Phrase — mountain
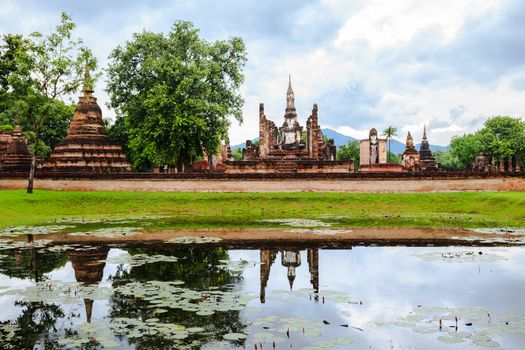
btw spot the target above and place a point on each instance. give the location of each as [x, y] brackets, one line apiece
[340, 139]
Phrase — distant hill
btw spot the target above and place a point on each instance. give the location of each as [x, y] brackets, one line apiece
[340, 139]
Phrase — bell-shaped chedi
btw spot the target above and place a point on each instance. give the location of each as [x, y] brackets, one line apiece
[86, 147]
[14, 152]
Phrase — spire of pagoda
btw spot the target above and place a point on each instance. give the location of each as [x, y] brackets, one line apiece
[424, 132]
[87, 89]
[290, 98]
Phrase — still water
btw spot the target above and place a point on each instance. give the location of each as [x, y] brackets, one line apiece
[208, 296]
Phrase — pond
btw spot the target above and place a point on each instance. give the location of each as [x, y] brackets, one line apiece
[204, 294]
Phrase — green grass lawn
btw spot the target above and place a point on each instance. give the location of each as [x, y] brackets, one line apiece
[194, 210]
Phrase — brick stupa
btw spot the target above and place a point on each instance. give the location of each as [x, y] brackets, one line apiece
[14, 152]
[86, 147]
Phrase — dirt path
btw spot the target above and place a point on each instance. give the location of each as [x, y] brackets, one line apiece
[277, 185]
[355, 236]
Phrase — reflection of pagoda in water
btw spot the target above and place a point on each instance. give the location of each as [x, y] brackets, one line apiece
[89, 269]
[291, 260]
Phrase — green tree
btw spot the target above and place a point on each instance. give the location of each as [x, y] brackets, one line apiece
[465, 148]
[503, 137]
[237, 154]
[447, 160]
[350, 151]
[389, 132]
[118, 134]
[45, 69]
[175, 93]
[394, 158]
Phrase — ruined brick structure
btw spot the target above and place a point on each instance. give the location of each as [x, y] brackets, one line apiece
[14, 152]
[86, 147]
[373, 155]
[410, 157]
[287, 149]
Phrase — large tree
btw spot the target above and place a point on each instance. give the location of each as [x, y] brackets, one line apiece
[175, 93]
[42, 71]
[503, 137]
[500, 138]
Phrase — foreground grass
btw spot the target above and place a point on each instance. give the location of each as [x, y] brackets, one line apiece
[195, 210]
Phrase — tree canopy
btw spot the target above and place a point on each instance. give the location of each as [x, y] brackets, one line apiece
[350, 151]
[175, 93]
[500, 138]
[37, 74]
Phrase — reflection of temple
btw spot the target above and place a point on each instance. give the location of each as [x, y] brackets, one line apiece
[291, 260]
[313, 267]
[89, 269]
[267, 257]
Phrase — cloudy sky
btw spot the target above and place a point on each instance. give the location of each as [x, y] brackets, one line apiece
[448, 64]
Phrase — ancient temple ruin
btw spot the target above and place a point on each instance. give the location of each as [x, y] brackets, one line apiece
[87, 148]
[423, 160]
[373, 155]
[289, 148]
[427, 162]
[410, 157]
[14, 152]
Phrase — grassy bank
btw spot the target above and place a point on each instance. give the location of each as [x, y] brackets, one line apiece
[194, 210]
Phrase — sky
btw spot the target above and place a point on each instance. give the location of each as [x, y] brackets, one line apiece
[446, 64]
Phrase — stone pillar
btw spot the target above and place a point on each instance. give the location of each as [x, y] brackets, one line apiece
[263, 133]
[518, 165]
[501, 166]
[510, 165]
[315, 133]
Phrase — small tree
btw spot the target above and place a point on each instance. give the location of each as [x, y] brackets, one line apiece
[389, 132]
[47, 69]
[350, 151]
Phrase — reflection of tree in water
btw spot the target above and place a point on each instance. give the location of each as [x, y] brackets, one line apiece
[198, 268]
[37, 319]
[31, 263]
[35, 325]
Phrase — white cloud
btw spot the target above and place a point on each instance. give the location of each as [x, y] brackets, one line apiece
[380, 24]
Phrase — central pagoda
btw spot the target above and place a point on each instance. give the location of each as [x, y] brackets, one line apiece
[86, 147]
[290, 132]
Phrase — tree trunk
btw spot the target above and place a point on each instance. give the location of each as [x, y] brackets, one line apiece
[210, 163]
[31, 173]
